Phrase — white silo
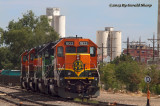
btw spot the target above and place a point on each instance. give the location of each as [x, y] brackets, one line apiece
[55, 23]
[61, 27]
[52, 11]
[58, 21]
[101, 37]
[50, 18]
[109, 28]
[116, 43]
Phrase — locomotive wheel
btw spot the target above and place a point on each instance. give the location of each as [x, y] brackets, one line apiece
[41, 87]
[22, 87]
[52, 89]
[32, 86]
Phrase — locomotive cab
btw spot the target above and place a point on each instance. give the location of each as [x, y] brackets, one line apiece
[77, 74]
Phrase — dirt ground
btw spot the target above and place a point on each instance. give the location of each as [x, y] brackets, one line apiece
[139, 99]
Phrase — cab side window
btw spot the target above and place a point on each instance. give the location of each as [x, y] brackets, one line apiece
[60, 51]
[92, 51]
[24, 58]
[32, 57]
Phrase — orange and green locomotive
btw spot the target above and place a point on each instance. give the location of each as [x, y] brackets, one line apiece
[67, 68]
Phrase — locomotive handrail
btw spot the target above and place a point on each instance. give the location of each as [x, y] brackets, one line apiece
[63, 66]
[59, 65]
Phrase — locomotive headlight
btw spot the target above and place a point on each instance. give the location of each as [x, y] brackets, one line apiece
[61, 79]
[69, 73]
[90, 73]
[96, 79]
[77, 57]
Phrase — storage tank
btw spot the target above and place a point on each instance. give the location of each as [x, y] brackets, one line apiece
[61, 27]
[53, 11]
[101, 37]
[109, 28]
[50, 18]
[116, 43]
[55, 23]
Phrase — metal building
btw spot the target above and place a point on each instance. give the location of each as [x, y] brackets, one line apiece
[56, 20]
[111, 41]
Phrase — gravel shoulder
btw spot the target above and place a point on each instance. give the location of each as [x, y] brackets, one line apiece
[130, 98]
[4, 103]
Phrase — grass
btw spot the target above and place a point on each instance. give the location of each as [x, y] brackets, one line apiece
[85, 100]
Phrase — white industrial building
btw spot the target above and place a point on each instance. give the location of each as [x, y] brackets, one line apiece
[111, 41]
[158, 28]
[56, 20]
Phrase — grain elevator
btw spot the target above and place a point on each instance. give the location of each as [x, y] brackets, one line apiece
[110, 41]
[56, 20]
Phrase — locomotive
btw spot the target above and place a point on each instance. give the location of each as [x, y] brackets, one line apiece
[66, 67]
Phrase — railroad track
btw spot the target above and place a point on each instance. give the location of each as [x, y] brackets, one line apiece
[24, 98]
[14, 99]
[17, 101]
[85, 102]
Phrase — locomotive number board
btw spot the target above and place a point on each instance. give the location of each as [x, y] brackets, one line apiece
[83, 43]
[69, 43]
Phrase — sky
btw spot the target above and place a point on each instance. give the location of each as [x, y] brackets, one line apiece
[85, 17]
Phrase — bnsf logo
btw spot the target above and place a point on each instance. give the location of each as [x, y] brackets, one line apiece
[78, 66]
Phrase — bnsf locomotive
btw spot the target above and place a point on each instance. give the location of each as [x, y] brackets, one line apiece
[67, 68]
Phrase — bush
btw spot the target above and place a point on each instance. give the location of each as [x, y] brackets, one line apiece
[125, 73]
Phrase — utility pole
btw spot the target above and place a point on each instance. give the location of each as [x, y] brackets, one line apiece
[111, 46]
[158, 50]
[128, 43]
[140, 49]
[158, 26]
[127, 46]
[139, 43]
[103, 50]
[153, 40]
[102, 53]
[153, 47]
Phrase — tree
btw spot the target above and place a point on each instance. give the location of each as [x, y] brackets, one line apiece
[108, 76]
[129, 73]
[5, 56]
[122, 58]
[1, 35]
[28, 32]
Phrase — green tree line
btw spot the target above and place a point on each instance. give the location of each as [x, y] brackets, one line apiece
[28, 32]
[123, 73]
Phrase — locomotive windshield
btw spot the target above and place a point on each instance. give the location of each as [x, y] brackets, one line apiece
[71, 49]
[82, 49]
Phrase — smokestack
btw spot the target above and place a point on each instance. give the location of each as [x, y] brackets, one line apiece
[158, 30]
